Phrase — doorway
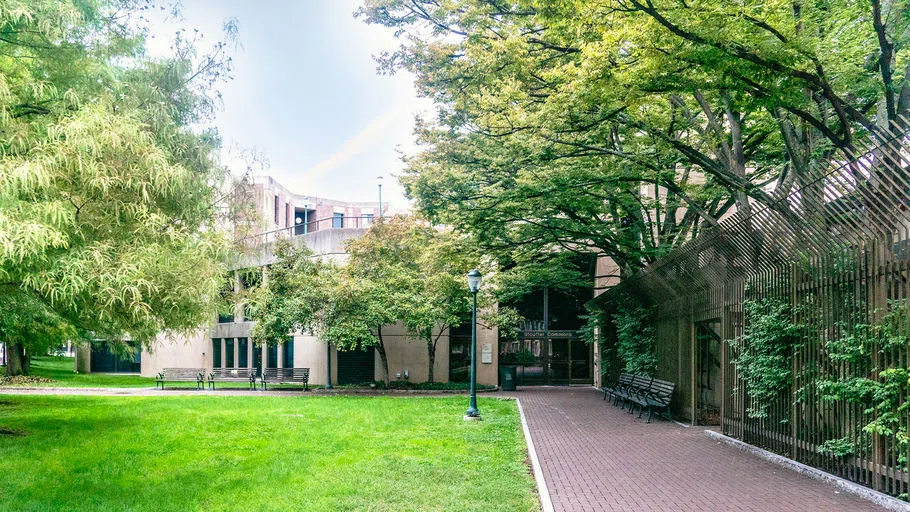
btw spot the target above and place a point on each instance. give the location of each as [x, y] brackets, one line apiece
[562, 358]
[356, 366]
[708, 346]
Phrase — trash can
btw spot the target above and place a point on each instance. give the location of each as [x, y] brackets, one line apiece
[507, 376]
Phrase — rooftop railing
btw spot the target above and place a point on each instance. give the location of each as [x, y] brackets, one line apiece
[358, 222]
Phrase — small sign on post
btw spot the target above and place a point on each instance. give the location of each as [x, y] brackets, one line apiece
[486, 353]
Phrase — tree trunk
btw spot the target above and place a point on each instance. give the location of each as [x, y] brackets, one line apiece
[431, 353]
[382, 355]
[18, 361]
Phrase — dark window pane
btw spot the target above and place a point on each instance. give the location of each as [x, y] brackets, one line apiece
[288, 353]
[216, 353]
[272, 361]
[243, 359]
[229, 352]
[338, 220]
[276, 209]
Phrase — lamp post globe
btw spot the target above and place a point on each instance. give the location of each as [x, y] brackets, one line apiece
[474, 279]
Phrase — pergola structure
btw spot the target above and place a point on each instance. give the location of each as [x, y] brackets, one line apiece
[836, 249]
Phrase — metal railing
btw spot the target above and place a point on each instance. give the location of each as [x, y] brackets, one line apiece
[311, 226]
[837, 250]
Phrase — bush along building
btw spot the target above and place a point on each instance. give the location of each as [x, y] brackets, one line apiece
[323, 226]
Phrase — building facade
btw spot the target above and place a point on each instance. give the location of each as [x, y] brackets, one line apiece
[323, 225]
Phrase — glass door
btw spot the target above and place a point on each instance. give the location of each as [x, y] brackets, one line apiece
[559, 361]
[581, 355]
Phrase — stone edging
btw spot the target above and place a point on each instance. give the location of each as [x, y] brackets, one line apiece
[880, 499]
[542, 491]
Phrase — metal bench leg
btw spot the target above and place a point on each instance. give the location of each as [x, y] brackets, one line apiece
[650, 411]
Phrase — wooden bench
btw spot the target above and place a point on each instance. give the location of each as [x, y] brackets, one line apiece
[196, 375]
[642, 391]
[247, 375]
[281, 375]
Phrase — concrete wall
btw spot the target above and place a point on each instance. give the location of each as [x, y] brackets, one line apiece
[411, 354]
[487, 373]
[404, 353]
[177, 351]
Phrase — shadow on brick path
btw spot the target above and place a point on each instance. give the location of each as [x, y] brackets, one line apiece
[597, 457]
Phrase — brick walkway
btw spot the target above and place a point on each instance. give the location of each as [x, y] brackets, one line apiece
[596, 457]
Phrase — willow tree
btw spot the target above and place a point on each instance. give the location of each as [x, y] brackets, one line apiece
[108, 199]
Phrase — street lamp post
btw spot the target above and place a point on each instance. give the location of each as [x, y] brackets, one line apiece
[379, 179]
[474, 278]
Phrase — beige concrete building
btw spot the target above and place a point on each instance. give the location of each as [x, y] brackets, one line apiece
[323, 225]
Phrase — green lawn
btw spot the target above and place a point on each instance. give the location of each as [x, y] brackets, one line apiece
[60, 369]
[210, 453]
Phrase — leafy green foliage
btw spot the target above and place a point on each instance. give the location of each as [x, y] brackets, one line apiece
[863, 374]
[553, 116]
[763, 355]
[108, 198]
[635, 337]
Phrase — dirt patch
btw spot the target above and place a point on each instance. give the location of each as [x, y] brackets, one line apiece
[9, 432]
[20, 380]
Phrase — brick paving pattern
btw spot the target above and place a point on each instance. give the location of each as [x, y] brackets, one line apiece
[596, 457]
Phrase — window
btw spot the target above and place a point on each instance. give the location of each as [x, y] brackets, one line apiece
[272, 357]
[287, 215]
[243, 356]
[338, 220]
[229, 352]
[276, 209]
[216, 352]
[288, 353]
[367, 219]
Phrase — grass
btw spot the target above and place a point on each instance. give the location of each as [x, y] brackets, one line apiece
[60, 369]
[71, 453]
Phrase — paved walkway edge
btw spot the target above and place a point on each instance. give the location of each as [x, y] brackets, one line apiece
[880, 499]
[542, 492]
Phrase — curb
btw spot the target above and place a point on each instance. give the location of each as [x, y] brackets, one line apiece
[880, 499]
[542, 491]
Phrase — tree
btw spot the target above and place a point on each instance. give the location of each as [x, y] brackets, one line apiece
[108, 198]
[553, 115]
[426, 267]
[401, 271]
[342, 305]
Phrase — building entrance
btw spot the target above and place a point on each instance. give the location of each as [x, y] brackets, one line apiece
[551, 358]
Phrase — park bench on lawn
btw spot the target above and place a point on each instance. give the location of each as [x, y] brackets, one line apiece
[642, 391]
[196, 375]
[247, 375]
[283, 375]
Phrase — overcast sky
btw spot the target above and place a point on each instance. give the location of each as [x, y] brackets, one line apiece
[306, 94]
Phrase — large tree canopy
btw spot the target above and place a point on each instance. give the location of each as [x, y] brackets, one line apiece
[553, 115]
[108, 198]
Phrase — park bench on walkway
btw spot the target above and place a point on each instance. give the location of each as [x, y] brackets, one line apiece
[642, 391]
[625, 379]
[247, 375]
[283, 375]
[196, 375]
